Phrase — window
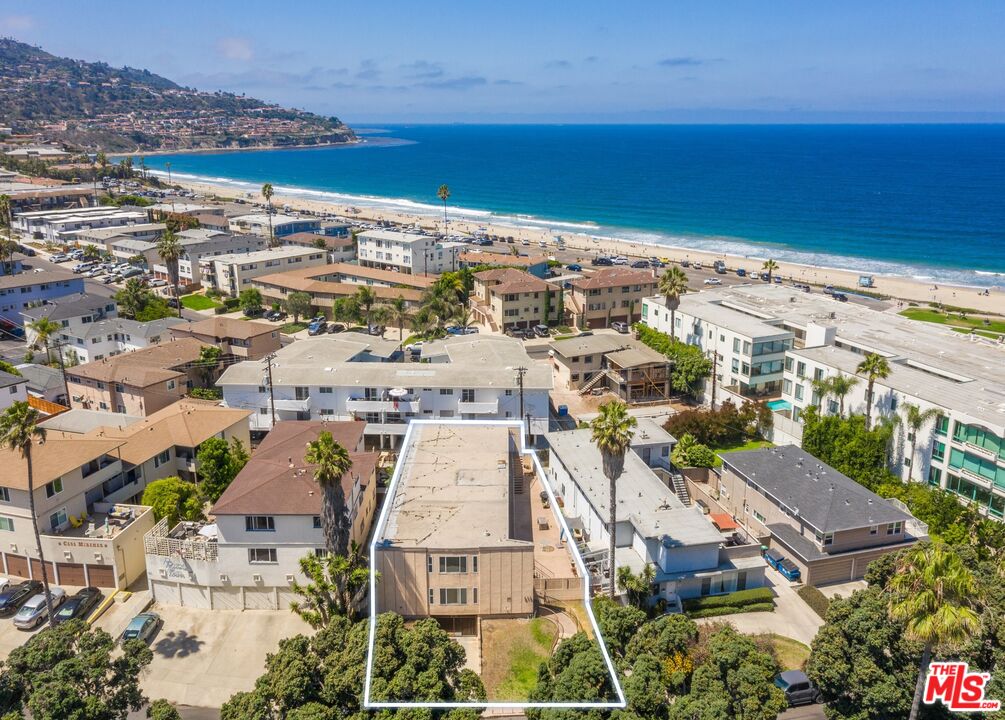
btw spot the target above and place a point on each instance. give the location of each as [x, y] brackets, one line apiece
[474, 567]
[446, 391]
[934, 476]
[325, 390]
[162, 458]
[874, 529]
[54, 488]
[431, 594]
[4, 494]
[799, 392]
[786, 387]
[316, 522]
[757, 516]
[453, 596]
[259, 523]
[7, 524]
[942, 425]
[828, 539]
[171, 384]
[57, 519]
[895, 528]
[467, 395]
[458, 564]
[260, 556]
[474, 595]
[509, 393]
[261, 389]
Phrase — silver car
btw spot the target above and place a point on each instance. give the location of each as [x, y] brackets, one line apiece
[33, 613]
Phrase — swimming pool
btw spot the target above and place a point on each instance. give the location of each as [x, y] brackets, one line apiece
[779, 405]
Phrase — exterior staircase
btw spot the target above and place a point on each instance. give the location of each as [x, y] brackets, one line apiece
[595, 380]
[679, 485]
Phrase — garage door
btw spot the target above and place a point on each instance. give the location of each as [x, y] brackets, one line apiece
[165, 593]
[195, 596]
[286, 596]
[227, 598]
[36, 570]
[71, 574]
[101, 575]
[259, 598]
[825, 572]
[17, 565]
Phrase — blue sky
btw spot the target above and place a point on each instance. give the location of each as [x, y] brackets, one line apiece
[558, 61]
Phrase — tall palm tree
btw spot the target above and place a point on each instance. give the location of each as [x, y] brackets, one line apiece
[267, 193]
[673, 285]
[443, 193]
[612, 430]
[874, 367]
[7, 221]
[133, 297]
[462, 316]
[399, 314]
[19, 430]
[934, 593]
[365, 298]
[44, 329]
[823, 387]
[840, 386]
[916, 419]
[331, 461]
[170, 250]
[770, 266]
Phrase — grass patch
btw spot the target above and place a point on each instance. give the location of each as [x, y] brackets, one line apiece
[512, 652]
[982, 333]
[955, 320]
[790, 654]
[292, 327]
[736, 447]
[817, 601]
[198, 302]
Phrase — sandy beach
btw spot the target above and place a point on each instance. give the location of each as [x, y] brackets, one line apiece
[901, 288]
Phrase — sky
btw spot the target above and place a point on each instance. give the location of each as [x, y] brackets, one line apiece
[385, 61]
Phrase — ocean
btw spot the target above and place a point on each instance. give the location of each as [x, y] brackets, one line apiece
[926, 201]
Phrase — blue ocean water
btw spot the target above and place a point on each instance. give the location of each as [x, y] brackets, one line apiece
[921, 200]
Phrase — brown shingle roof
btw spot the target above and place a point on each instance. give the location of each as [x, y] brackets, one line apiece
[303, 280]
[142, 368]
[223, 327]
[509, 280]
[61, 453]
[614, 277]
[330, 240]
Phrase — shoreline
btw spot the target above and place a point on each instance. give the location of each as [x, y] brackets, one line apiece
[898, 287]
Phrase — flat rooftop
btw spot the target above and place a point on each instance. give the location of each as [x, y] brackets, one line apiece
[453, 488]
[280, 251]
[393, 236]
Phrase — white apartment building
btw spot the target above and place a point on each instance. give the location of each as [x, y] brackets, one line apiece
[409, 253]
[107, 338]
[352, 376]
[71, 312]
[102, 237]
[199, 244]
[282, 225]
[961, 377]
[234, 272]
[62, 226]
[13, 388]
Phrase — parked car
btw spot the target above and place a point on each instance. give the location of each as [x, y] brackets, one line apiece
[143, 627]
[641, 264]
[317, 327]
[60, 258]
[542, 330]
[829, 290]
[719, 266]
[375, 330]
[840, 296]
[798, 689]
[685, 263]
[740, 272]
[782, 564]
[517, 333]
[275, 315]
[132, 271]
[697, 266]
[79, 605]
[601, 261]
[335, 328]
[621, 327]
[13, 597]
[158, 282]
[713, 281]
[619, 261]
[656, 262]
[33, 613]
[575, 267]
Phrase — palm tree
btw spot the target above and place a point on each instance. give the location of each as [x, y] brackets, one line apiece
[19, 430]
[170, 250]
[770, 266]
[840, 386]
[933, 593]
[874, 367]
[91, 253]
[44, 328]
[133, 297]
[103, 162]
[7, 221]
[673, 285]
[612, 433]
[267, 193]
[365, 299]
[331, 462]
[916, 418]
[443, 193]
[823, 387]
[399, 314]
[462, 316]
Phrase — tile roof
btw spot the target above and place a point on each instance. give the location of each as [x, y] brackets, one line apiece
[304, 279]
[223, 327]
[142, 368]
[615, 277]
[60, 454]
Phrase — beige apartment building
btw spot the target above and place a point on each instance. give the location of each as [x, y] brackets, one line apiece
[323, 291]
[457, 544]
[506, 298]
[618, 363]
[236, 338]
[609, 295]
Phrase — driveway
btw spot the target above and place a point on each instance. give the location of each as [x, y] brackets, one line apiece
[202, 657]
[792, 616]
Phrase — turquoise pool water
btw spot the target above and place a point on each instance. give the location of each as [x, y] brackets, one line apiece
[777, 405]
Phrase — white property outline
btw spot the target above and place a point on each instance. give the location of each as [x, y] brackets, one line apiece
[620, 703]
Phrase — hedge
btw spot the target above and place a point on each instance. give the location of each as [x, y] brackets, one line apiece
[731, 610]
[815, 599]
[736, 599]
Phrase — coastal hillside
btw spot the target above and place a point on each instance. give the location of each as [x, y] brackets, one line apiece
[92, 105]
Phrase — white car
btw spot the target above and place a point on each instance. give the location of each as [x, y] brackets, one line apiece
[713, 281]
[33, 613]
[157, 282]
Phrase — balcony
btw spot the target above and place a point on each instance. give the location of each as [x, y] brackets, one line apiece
[184, 540]
[975, 478]
[408, 403]
[978, 450]
[479, 408]
[294, 405]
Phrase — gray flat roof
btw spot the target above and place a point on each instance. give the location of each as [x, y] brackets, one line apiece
[131, 327]
[393, 236]
[68, 306]
[7, 379]
[811, 490]
[590, 345]
[650, 432]
[41, 377]
[83, 421]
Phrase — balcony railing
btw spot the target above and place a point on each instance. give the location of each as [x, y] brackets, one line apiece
[478, 408]
[183, 540]
[292, 404]
[975, 478]
[978, 450]
[406, 404]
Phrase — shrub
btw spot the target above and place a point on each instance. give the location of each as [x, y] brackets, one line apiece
[815, 599]
[731, 610]
[740, 598]
[232, 303]
[206, 393]
[221, 309]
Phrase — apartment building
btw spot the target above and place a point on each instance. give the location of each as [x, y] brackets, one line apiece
[44, 383]
[265, 522]
[13, 388]
[71, 312]
[536, 265]
[353, 274]
[617, 363]
[457, 542]
[30, 197]
[235, 272]
[692, 558]
[407, 253]
[200, 244]
[282, 225]
[352, 376]
[103, 237]
[609, 295]
[238, 339]
[212, 220]
[27, 289]
[826, 523]
[324, 292]
[108, 338]
[931, 367]
[341, 248]
[62, 226]
[141, 382]
[505, 299]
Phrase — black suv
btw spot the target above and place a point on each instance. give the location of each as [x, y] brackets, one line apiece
[17, 595]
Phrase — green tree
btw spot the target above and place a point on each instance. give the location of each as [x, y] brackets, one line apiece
[365, 299]
[250, 301]
[443, 193]
[916, 419]
[298, 304]
[19, 431]
[399, 315]
[170, 251]
[673, 286]
[133, 297]
[331, 462]
[666, 636]
[848, 445]
[840, 386]
[874, 367]
[219, 463]
[934, 594]
[769, 266]
[688, 452]
[174, 499]
[9, 369]
[44, 329]
[91, 253]
[690, 366]
[71, 671]
[576, 672]
[7, 221]
[333, 583]
[209, 363]
[162, 710]
[612, 430]
[267, 193]
[637, 587]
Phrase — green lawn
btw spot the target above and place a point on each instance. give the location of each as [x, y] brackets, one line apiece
[198, 302]
[292, 327]
[954, 320]
[512, 651]
[748, 445]
[791, 654]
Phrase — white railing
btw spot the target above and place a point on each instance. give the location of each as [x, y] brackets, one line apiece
[292, 404]
[479, 408]
[975, 478]
[390, 405]
[159, 542]
[982, 451]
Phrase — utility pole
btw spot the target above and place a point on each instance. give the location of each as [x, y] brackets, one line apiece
[520, 372]
[272, 395]
[62, 368]
[715, 367]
